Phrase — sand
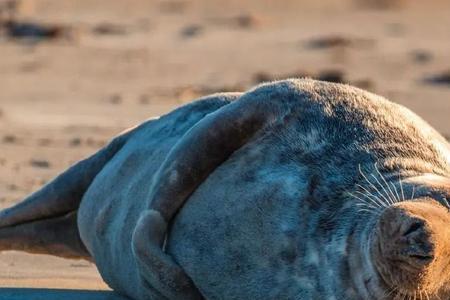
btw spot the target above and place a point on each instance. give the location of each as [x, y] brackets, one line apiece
[115, 63]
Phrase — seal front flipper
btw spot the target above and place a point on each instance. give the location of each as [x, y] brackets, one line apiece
[201, 150]
[161, 277]
[208, 144]
[45, 222]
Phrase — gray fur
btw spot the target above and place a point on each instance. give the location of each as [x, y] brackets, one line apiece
[264, 214]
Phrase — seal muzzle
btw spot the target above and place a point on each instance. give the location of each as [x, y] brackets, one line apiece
[411, 246]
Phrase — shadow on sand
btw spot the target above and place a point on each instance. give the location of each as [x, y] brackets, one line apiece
[56, 294]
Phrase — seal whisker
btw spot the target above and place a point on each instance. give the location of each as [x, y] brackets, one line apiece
[366, 205]
[391, 290]
[372, 198]
[369, 194]
[437, 296]
[363, 206]
[413, 192]
[401, 187]
[388, 197]
[365, 210]
[373, 186]
[401, 294]
[363, 203]
[397, 199]
[385, 182]
[366, 193]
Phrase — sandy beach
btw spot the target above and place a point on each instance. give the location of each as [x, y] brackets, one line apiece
[113, 64]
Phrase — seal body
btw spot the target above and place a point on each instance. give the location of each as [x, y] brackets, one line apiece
[269, 194]
[274, 220]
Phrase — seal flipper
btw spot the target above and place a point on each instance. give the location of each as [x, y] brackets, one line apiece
[208, 144]
[55, 236]
[39, 223]
[162, 277]
[202, 149]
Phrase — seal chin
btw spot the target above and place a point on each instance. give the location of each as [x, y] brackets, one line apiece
[411, 247]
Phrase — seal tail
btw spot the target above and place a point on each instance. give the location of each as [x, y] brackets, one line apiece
[45, 222]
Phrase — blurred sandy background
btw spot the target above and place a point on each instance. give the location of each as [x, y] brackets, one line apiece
[91, 68]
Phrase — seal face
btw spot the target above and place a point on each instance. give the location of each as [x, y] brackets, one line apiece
[297, 189]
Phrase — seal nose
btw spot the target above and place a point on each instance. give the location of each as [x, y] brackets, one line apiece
[408, 237]
[410, 247]
[416, 241]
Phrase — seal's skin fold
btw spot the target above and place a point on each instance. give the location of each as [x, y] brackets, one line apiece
[267, 214]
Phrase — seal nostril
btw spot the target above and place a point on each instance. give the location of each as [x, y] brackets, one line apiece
[414, 227]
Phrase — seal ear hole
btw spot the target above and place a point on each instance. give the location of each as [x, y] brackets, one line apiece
[414, 227]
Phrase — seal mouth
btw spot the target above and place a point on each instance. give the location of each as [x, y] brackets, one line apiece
[422, 257]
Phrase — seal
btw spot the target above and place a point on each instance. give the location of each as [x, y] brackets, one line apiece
[296, 189]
